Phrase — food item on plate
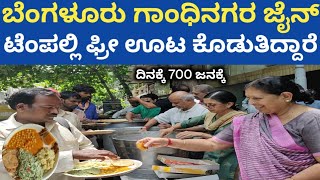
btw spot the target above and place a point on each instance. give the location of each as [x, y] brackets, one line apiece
[10, 160]
[29, 167]
[122, 162]
[85, 172]
[92, 163]
[140, 146]
[46, 157]
[114, 169]
[28, 139]
[30, 153]
[91, 167]
[48, 139]
[98, 167]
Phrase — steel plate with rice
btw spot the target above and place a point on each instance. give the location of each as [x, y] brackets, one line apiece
[30, 152]
[107, 168]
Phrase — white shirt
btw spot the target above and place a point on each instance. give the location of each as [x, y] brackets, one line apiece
[67, 141]
[71, 117]
[81, 115]
[175, 115]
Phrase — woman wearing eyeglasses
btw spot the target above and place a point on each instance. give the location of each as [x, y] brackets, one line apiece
[222, 109]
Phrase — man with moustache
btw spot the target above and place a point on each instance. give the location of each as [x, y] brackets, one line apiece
[40, 106]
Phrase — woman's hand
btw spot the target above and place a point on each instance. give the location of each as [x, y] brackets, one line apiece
[153, 142]
[165, 132]
[186, 135]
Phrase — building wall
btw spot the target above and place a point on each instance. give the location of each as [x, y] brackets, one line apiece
[239, 75]
[233, 70]
[156, 88]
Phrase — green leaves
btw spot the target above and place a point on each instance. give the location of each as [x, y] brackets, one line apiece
[64, 77]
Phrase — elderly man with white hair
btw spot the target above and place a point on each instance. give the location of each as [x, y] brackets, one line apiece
[184, 108]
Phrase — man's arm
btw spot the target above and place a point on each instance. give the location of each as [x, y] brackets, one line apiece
[161, 118]
[129, 116]
[93, 154]
[164, 132]
[84, 142]
[145, 104]
[149, 124]
[86, 149]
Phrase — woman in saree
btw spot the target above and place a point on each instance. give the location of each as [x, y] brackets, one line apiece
[280, 141]
[222, 109]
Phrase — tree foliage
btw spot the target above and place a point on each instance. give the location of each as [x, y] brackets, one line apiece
[108, 84]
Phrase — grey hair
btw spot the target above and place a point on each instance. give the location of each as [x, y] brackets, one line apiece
[188, 97]
[204, 88]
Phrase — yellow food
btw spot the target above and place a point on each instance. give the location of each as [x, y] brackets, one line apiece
[122, 162]
[10, 160]
[140, 146]
[97, 167]
[28, 139]
[48, 139]
[46, 157]
[92, 164]
[112, 170]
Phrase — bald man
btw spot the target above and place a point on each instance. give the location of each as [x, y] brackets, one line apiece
[184, 108]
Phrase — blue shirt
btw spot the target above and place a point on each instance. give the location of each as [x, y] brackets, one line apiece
[91, 112]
